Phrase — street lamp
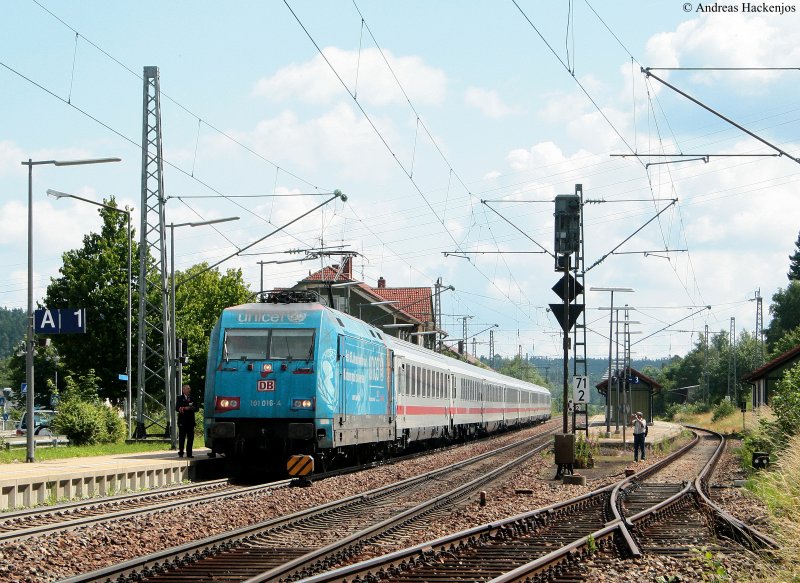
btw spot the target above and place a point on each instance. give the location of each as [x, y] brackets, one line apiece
[610, 336]
[173, 340]
[29, 456]
[129, 344]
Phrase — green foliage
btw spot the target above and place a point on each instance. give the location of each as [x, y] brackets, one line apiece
[677, 410]
[786, 402]
[82, 417]
[46, 364]
[520, 369]
[713, 570]
[95, 277]
[701, 364]
[772, 435]
[80, 422]
[89, 423]
[723, 409]
[785, 343]
[73, 451]
[591, 544]
[12, 329]
[585, 452]
[794, 261]
[785, 310]
[200, 296]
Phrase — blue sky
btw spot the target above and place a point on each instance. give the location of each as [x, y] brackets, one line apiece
[485, 109]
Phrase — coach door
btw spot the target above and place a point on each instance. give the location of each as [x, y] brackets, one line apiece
[451, 398]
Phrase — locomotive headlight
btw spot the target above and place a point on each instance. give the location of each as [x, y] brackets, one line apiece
[302, 404]
[226, 404]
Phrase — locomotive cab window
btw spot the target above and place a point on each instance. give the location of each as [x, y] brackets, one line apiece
[246, 344]
[292, 344]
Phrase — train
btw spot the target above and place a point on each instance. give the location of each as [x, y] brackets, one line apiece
[291, 376]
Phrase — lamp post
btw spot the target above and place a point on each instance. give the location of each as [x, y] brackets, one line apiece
[610, 336]
[173, 335]
[129, 344]
[29, 456]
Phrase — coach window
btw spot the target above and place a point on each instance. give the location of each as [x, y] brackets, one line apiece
[249, 344]
[292, 344]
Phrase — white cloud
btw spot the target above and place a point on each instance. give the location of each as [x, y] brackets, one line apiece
[488, 102]
[733, 40]
[340, 143]
[10, 157]
[366, 75]
[492, 175]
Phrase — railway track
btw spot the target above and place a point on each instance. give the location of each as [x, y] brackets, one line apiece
[650, 512]
[30, 522]
[293, 546]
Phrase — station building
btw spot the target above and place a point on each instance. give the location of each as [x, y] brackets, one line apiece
[767, 376]
[403, 312]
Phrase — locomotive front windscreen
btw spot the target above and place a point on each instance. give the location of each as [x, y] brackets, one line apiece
[292, 344]
[262, 344]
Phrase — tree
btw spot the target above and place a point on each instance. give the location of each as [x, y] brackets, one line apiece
[785, 343]
[200, 296]
[46, 367]
[519, 368]
[13, 323]
[95, 277]
[785, 310]
[794, 262]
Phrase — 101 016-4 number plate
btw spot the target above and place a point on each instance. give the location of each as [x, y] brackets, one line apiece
[265, 385]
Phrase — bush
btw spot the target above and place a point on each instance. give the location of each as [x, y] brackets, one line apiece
[88, 423]
[676, 411]
[115, 428]
[724, 409]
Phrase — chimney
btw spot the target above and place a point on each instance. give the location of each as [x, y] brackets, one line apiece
[381, 282]
[347, 268]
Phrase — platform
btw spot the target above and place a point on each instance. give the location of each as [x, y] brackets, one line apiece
[29, 484]
[657, 432]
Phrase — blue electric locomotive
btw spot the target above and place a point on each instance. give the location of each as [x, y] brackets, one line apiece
[301, 378]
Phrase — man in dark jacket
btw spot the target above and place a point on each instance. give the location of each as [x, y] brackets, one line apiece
[186, 406]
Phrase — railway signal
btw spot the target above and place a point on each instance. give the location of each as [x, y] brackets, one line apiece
[567, 239]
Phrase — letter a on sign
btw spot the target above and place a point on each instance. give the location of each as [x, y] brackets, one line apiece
[48, 322]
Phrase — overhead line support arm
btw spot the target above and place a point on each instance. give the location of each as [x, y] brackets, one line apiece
[649, 73]
[629, 237]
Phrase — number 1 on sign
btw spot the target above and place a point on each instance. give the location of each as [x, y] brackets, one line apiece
[580, 389]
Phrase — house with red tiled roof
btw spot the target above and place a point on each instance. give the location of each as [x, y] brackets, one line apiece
[767, 376]
[404, 312]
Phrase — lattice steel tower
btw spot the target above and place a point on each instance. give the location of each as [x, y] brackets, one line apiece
[155, 401]
[732, 382]
[759, 329]
[579, 360]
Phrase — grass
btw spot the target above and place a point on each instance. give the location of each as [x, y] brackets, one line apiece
[730, 425]
[779, 488]
[10, 456]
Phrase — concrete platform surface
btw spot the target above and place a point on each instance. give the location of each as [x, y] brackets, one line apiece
[28, 484]
[657, 431]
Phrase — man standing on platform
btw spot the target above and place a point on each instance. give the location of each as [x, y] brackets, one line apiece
[186, 407]
[639, 433]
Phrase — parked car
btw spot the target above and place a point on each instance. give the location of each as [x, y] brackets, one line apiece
[42, 422]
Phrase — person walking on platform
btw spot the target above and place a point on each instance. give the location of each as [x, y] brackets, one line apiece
[639, 433]
[186, 406]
